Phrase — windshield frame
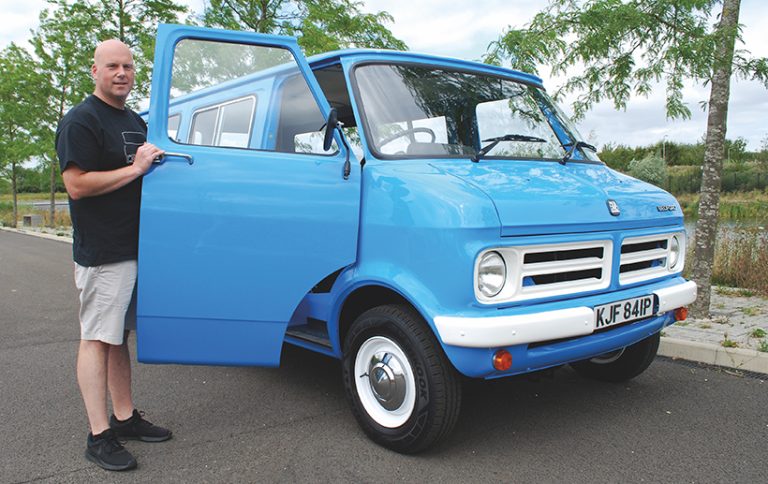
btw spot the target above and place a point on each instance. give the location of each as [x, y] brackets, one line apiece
[559, 132]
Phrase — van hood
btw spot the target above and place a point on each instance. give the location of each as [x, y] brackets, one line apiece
[544, 197]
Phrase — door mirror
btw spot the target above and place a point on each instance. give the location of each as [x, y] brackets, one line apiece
[330, 126]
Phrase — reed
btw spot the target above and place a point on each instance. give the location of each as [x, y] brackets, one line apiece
[61, 218]
[734, 207]
[741, 259]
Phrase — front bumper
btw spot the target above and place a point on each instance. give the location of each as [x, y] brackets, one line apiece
[510, 330]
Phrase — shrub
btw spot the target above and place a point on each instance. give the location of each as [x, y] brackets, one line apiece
[652, 169]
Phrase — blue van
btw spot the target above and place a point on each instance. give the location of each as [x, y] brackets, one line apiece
[422, 219]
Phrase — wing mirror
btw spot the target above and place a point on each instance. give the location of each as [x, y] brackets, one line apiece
[330, 126]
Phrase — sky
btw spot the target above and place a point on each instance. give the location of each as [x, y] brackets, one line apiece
[457, 28]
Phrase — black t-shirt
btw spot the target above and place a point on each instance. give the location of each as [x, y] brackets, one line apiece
[98, 137]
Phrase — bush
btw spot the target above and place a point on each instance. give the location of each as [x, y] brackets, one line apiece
[683, 179]
[652, 169]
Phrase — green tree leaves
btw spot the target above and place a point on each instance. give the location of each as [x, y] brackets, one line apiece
[319, 25]
[23, 102]
[616, 49]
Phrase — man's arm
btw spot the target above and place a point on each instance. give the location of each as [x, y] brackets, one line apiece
[82, 184]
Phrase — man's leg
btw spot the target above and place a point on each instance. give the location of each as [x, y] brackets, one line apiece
[102, 308]
[119, 379]
[92, 371]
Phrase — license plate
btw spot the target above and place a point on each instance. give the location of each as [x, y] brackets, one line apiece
[623, 311]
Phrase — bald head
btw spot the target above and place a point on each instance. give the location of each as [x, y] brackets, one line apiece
[109, 48]
[113, 72]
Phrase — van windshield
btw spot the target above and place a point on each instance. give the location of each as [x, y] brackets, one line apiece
[415, 110]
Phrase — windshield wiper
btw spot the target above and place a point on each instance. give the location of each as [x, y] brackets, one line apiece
[507, 137]
[574, 147]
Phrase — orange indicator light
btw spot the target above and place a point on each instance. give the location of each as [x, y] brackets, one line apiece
[681, 314]
[502, 360]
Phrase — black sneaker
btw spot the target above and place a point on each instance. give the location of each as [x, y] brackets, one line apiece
[107, 452]
[136, 428]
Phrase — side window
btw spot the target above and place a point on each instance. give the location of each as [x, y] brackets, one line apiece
[235, 123]
[245, 96]
[173, 126]
[227, 124]
[203, 127]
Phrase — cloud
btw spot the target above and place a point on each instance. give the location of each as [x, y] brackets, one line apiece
[18, 19]
[457, 28]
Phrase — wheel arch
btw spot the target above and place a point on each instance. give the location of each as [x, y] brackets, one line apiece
[367, 297]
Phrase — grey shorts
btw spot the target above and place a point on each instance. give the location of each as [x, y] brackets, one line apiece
[107, 300]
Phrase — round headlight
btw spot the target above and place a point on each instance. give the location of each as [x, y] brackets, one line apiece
[491, 274]
[674, 252]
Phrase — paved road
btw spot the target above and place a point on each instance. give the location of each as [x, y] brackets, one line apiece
[674, 423]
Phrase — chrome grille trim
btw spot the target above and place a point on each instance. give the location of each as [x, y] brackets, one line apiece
[648, 257]
[533, 280]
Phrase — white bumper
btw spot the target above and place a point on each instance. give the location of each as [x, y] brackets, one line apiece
[498, 331]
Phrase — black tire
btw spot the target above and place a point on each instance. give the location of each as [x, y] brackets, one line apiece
[430, 411]
[621, 365]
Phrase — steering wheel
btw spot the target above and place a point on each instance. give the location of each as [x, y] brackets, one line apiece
[406, 132]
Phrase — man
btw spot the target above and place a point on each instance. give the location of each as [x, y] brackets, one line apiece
[103, 154]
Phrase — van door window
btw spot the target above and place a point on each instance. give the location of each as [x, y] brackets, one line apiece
[245, 96]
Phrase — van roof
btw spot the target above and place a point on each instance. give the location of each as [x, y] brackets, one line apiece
[385, 55]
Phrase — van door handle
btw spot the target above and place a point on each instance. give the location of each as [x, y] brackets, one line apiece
[161, 158]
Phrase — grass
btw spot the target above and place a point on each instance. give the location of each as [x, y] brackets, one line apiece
[763, 346]
[757, 333]
[726, 343]
[28, 197]
[733, 292]
[6, 209]
[741, 260]
[750, 311]
[734, 207]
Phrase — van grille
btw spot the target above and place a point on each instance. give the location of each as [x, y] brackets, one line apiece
[554, 270]
[644, 258]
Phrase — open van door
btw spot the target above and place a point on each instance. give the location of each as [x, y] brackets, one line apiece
[246, 212]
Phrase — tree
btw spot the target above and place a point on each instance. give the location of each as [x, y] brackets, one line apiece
[320, 25]
[134, 22]
[22, 102]
[736, 150]
[623, 48]
[64, 43]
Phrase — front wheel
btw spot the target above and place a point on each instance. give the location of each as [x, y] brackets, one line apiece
[620, 365]
[403, 391]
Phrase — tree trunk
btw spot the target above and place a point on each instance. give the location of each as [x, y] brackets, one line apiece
[14, 223]
[52, 208]
[709, 201]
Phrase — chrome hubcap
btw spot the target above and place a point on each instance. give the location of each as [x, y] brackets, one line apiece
[385, 381]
